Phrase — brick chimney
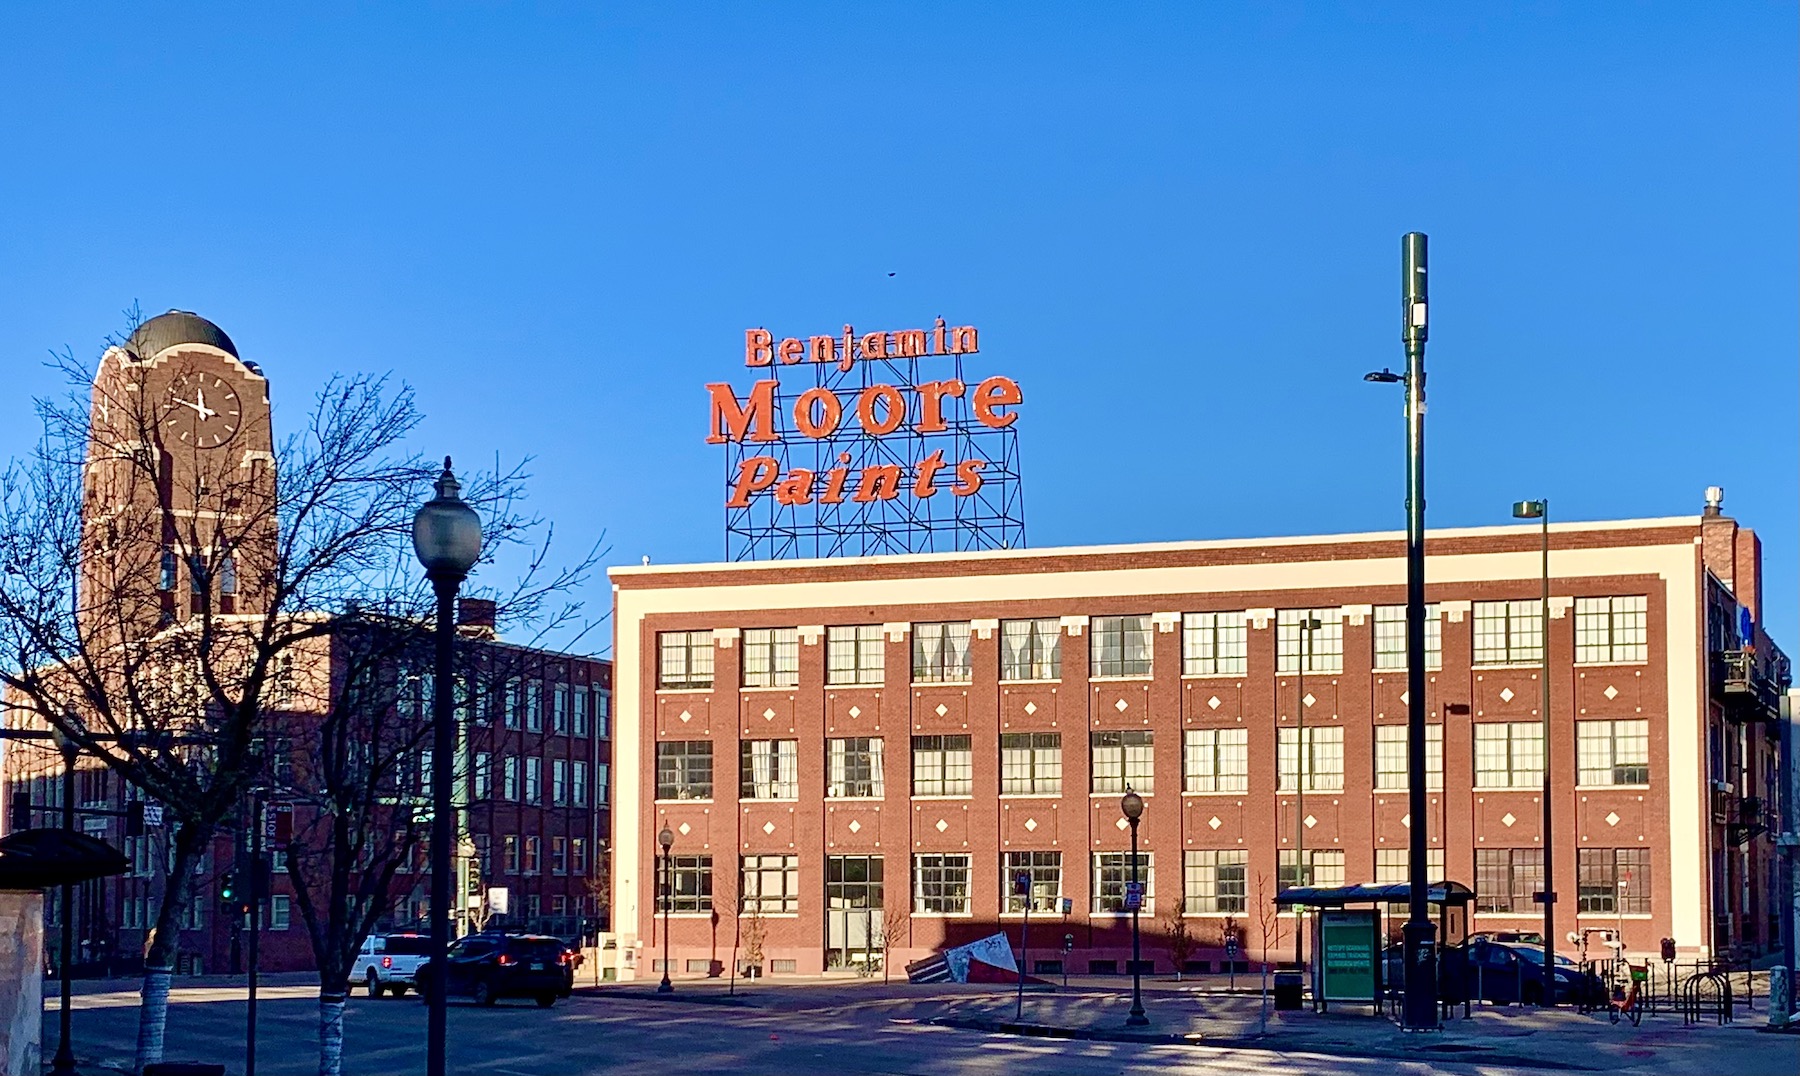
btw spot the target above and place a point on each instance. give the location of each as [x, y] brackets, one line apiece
[1731, 552]
[475, 618]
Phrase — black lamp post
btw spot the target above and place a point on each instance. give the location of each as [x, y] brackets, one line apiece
[64, 1064]
[447, 539]
[1302, 770]
[667, 839]
[1540, 510]
[1133, 806]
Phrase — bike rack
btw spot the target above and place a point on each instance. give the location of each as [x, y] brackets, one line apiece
[1706, 994]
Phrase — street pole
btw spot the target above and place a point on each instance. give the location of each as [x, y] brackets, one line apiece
[1301, 769]
[1024, 945]
[64, 1064]
[667, 839]
[1419, 1012]
[1133, 806]
[1540, 510]
[258, 891]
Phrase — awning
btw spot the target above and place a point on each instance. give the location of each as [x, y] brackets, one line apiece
[1453, 894]
[42, 858]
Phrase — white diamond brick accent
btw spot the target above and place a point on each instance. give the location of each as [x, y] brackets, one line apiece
[942, 709]
[686, 717]
[1120, 705]
[855, 711]
[1612, 818]
[1031, 825]
[769, 714]
[684, 829]
[1308, 698]
[1030, 708]
[1310, 821]
[1508, 819]
[854, 826]
[1611, 693]
[1214, 822]
[1506, 694]
[1405, 697]
[1123, 825]
[1212, 703]
[768, 828]
[941, 825]
[1406, 820]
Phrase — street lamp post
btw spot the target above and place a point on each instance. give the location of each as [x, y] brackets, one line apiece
[1540, 510]
[1308, 625]
[64, 1064]
[667, 839]
[1419, 1010]
[447, 539]
[1133, 806]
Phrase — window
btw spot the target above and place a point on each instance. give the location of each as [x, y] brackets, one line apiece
[559, 709]
[769, 770]
[280, 912]
[1031, 649]
[941, 652]
[770, 883]
[559, 855]
[1391, 866]
[1044, 871]
[534, 706]
[482, 775]
[771, 657]
[531, 864]
[1031, 763]
[1612, 881]
[578, 783]
[509, 852]
[1323, 646]
[855, 767]
[1214, 881]
[852, 882]
[1507, 878]
[941, 884]
[1611, 629]
[1212, 644]
[1215, 760]
[534, 780]
[942, 766]
[1390, 758]
[228, 587]
[578, 855]
[684, 770]
[509, 704]
[1509, 633]
[509, 777]
[853, 654]
[602, 783]
[602, 712]
[1390, 637]
[1613, 752]
[1324, 867]
[559, 782]
[165, 578]
[1121, 645]
[580, 717]
[1111, 871]
[689, 885]
[1124, 759]
[1324, 758]
[1509, 754]
[684, 659]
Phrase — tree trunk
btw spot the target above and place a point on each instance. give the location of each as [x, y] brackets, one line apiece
[159, 962]
[331, 1033]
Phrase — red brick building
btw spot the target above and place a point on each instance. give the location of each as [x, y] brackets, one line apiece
[535, 724]
[845, 747]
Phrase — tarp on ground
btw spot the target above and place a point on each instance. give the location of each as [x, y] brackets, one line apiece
[978, 961]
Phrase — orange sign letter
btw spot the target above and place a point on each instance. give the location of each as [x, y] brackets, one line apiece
[754, 474]
[757, 351]
[732, 423]
[997, 392]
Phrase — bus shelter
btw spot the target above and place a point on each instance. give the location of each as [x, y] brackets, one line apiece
[1353, 926]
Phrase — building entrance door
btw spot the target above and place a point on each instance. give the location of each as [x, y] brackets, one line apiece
[853, 912]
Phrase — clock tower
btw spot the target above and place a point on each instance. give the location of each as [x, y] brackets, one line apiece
[179, 509]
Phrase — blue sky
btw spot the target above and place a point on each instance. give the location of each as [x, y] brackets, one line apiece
[1177, 226]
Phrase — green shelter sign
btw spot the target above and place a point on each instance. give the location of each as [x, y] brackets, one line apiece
[1349, 947]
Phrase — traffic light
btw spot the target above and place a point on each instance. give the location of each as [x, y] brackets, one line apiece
[228, 894]
[134, 818]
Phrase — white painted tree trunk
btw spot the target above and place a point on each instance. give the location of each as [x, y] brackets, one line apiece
[153, 1013]
[331, 1034]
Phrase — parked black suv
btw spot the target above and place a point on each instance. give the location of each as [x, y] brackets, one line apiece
[487, 967]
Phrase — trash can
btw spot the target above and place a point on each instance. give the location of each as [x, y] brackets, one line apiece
[1288, 989]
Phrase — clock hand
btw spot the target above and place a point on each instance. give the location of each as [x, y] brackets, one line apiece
[204, 411]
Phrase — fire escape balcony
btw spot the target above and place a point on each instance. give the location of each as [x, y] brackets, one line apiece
[1749, 685]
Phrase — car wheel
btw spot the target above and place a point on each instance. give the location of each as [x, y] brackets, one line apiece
[375, 990]
[398, 990]
[1533, 995]
[546, 1000]
[484, 994]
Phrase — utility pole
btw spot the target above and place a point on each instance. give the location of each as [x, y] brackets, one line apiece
[1419, 1012]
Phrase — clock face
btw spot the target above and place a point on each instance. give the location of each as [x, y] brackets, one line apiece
[203, 411]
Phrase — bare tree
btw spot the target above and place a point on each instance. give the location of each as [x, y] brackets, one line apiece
[1268, 930]
[1178, 937]
[178, 689]
[894, 921]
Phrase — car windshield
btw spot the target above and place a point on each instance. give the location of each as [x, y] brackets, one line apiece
[1536, 956]
[407, 945]
[535, 948]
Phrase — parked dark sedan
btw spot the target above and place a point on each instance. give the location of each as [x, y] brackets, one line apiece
[489, 967]
[1505, 973]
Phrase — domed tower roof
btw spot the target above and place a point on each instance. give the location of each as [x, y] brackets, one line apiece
[177, 327]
